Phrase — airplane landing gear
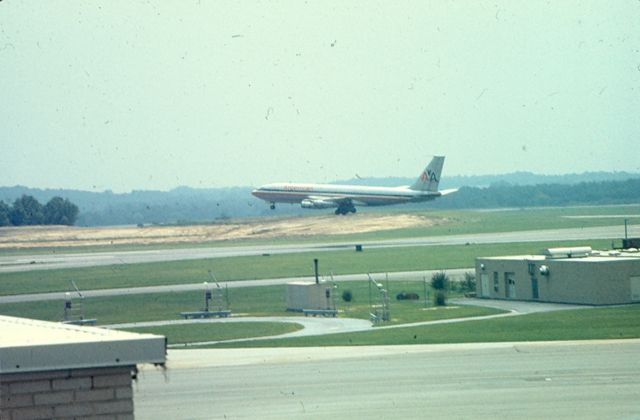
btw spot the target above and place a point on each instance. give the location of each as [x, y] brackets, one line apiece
[345, 208]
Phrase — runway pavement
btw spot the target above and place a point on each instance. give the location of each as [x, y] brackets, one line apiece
[15, 263]
[586, 380]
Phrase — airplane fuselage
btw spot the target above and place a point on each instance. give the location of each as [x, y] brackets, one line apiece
[359, 195]
[345, 197]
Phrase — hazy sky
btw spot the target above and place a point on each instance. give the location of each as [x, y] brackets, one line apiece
[126, 95]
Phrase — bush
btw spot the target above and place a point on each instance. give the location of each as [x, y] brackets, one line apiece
[439, 281]
[440, 298]
[469, 282]
[347, 296]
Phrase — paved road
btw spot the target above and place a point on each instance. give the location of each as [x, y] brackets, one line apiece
[67, 260]
[586, 380]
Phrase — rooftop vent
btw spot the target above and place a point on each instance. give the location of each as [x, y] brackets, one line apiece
[570, 252]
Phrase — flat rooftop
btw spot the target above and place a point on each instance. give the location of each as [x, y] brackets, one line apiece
[579, 254]
[28, 345]
[590, 258]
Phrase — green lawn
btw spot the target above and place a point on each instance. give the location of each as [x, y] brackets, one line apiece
[188, 333]
[580, 324]
[457, 222]
[265, 267]
[253, 301]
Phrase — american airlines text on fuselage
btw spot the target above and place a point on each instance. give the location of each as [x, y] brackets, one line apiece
[297, 188]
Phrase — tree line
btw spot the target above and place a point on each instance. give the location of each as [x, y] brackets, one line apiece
[203, 205]
[505, 195]
[26, 210]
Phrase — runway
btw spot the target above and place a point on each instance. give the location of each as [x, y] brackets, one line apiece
[15, 263]
[587, 380]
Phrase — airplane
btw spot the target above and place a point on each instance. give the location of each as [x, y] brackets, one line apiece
[345, 197]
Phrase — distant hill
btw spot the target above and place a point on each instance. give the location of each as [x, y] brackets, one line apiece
[188, 205]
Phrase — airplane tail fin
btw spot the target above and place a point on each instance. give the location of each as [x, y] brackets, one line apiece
[430, 177]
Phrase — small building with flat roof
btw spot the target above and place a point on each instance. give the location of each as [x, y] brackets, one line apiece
[53, 370]
[577, 275]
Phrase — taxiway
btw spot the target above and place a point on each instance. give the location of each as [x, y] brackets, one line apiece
[587, 380]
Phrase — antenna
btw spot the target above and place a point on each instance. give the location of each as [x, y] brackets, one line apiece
[213, 277]
[380, 310]
[73, 283]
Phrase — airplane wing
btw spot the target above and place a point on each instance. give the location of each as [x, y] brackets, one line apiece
[449, 191]
[325, 202]
[334, 198]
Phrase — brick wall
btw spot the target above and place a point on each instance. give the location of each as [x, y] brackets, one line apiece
[103, 393]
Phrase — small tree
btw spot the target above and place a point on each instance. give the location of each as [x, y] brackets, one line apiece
[440, 283]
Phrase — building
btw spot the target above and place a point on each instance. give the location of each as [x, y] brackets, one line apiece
[50, 370]
[563, 275]
[310, 297]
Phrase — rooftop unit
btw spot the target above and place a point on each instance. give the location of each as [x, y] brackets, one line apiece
[569, 252]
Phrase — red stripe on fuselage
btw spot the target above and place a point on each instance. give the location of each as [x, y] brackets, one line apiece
[296, 197]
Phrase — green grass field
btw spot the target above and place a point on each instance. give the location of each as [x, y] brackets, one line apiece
[579, 324]
[181, 334]
[261, 267]
[256, 301]
[253, 301]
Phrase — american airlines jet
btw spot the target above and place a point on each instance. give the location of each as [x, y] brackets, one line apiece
[345, 197]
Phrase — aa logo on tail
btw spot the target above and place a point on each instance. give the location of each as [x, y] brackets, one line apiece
[429, 175]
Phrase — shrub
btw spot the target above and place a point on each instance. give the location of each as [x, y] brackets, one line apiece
[347, 296]
[439, 281]
[469, 282]
[440, 299]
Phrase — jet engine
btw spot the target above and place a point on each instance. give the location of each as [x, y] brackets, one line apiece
[317, 204]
